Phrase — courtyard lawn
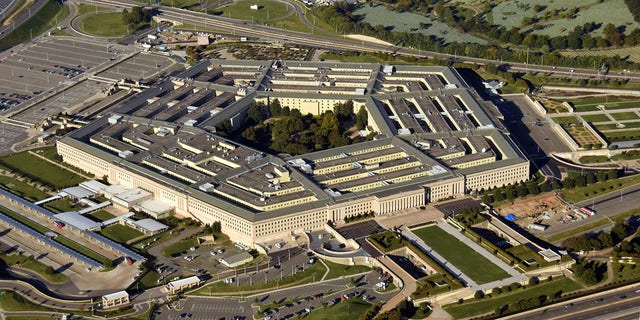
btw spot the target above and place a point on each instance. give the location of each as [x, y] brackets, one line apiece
[547, 289]
[596, 118]
[349, 309]
[120, 233]
[468, 261]
[565, 120]
[40, 170]
[61, 205]
[101, 215]
[22, 189]
[625, 116]
[622, 135]
[386, 241]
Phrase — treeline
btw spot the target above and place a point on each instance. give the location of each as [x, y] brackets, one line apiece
[599, 240]
[542, 47]
[524, 188]
[591, 272]
[634, 8]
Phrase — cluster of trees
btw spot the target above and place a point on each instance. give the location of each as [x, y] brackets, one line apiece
[470, 216]
[599, 240]
[359, 216]
[138, 16]
[511, 192]
[634, 8]
[289, 131]
[591, 272]
[628, 248]
[215, 227]
[541, 47]
[404, 310]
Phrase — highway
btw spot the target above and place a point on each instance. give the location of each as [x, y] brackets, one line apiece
[623, 303]
[239, 27]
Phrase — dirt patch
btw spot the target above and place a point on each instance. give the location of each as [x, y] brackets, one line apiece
[528, 209]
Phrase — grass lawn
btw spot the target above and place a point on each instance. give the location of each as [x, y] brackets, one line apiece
[267, 11]
[105, 24]
[311, 274]
[488, 305]
[625, 116]
[13, 302]
[120, 233]
[386, 241]
[337, 270]
[468, 261]
[86, 8]
[583, 193]
[34, 265]
[51, 153]
[349, 309]
[149, 280]
[593, 159]
[622, 135]
[101, 215]
[61, 205]
[22, 189]
[40, 22]
[595, 118]
[565, 120]
[24, 220]
[41, 170]
[184, 4]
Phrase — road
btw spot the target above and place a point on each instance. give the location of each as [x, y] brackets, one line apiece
[616, 303]
[317, 41]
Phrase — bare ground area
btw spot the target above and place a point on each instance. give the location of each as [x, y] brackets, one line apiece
[527, 209]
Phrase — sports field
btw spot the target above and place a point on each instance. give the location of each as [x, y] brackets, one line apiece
[468, 261]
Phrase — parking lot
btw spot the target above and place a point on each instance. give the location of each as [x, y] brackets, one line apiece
[46, 64]
[139, 66]
[8, 136]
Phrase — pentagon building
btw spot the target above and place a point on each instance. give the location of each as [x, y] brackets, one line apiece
[436, 138]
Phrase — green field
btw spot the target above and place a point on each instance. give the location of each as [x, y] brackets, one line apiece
[120, 233]
[105, 24]
[596, 118]
[41, 170]
[61, 205]
[349, 309]
[339, 270]
[40, 22]
[612, 126]
[32, 264]
[267, 11]
[622, 135]
[489, 305]
[468, 261]
[22, 189]
[625, 116]
[565, 120]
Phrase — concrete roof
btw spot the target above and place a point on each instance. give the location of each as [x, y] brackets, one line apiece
[75, 219]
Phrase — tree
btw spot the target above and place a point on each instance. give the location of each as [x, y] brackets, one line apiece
[216, 227]
[478, 295]
[362, 118]
[612, 174]
[533, 281]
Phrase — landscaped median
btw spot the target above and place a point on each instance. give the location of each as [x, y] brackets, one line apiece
[311, 274]
[515, 299]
